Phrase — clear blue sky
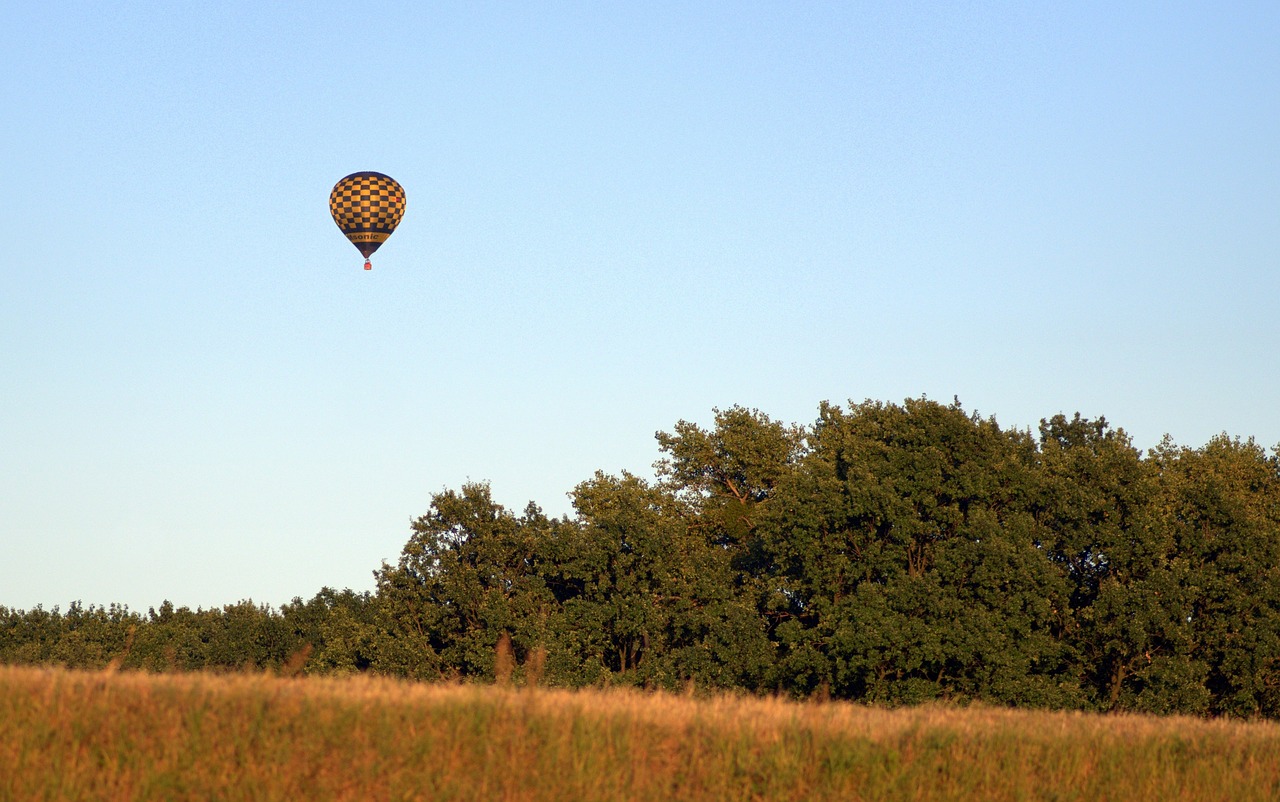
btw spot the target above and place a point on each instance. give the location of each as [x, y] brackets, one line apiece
[620, 215]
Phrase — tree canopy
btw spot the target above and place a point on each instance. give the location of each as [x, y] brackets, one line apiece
[892, 553]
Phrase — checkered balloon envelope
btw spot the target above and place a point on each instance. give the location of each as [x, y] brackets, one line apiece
[367, 206]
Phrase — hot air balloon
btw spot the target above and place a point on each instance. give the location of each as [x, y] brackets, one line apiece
[367, 207]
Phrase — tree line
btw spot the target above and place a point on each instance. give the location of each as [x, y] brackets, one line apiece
[887, 553]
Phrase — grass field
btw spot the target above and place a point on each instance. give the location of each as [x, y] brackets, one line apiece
[122, 736]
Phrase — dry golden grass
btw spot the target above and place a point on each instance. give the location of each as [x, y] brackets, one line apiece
[123, 736]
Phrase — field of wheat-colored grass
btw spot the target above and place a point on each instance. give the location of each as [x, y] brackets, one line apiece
[68, 735]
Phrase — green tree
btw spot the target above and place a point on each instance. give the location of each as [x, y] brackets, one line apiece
[468, 573]
[340, 627]
[727, 473]
[1096, 505]
[907, 562]
[659, 598]
[1219, 509]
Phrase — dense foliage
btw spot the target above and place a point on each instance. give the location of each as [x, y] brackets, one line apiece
[888, 553]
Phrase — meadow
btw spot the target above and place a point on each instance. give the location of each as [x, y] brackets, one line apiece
[110, 735]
